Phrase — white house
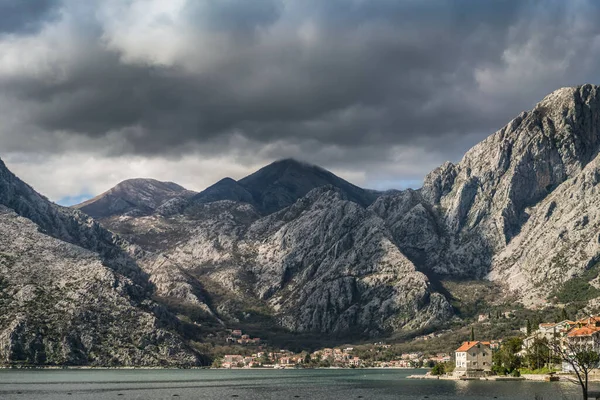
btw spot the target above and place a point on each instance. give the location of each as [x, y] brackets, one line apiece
[473, 358]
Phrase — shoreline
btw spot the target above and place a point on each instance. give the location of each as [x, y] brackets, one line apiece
[496, 378]
[87, 367]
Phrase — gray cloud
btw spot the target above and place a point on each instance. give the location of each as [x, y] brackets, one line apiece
[26, 16]
[344, 83]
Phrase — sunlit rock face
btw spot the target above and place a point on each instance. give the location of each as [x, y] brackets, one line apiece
[73, 293]
[522, 205]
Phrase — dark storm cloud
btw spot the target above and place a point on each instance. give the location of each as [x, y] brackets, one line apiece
[233, 16]
[309, 73]
[25, 16]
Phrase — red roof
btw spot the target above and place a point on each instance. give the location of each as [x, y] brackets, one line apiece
[589, 320]
[466, 346]
[585, 331]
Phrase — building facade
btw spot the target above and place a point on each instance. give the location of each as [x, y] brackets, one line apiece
[473, 358]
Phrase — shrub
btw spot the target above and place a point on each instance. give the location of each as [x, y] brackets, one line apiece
[438, 369]
[499, 370]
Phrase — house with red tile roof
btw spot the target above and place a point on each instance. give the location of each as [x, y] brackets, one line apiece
[551, 332]
[588, 322]
[473, 358]
[586, 336]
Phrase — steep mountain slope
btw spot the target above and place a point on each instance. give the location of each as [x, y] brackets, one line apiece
[133, 196]
[280, 184]
[559, 240]
[321, 255]
[73, 293]
[415, 227]
[323, 264]
[522, 203]
[331, 267]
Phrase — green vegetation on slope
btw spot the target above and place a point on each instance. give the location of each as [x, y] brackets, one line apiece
[578, 288]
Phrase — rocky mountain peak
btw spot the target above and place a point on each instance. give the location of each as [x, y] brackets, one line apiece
[280, 184]
[133, 197]
[570, 97]
[142, 184]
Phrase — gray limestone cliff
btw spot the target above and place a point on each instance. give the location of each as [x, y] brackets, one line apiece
[521, 205]
[73, 293]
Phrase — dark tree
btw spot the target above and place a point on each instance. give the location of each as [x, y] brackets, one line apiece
[539, 354]
[582, 356]
[307, 359]
[438, 369]
[507, 360]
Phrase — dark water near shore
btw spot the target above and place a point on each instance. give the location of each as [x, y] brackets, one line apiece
[261, 384]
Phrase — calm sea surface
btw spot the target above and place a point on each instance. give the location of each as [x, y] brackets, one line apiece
[261, 384]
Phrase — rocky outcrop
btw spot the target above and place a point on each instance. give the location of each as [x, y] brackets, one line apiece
[73, 293]
[61, 306]
[414, 226]
[328, 265]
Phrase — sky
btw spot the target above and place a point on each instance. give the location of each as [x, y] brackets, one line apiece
[379, 92]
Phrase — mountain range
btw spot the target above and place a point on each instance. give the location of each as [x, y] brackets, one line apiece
[138, 274]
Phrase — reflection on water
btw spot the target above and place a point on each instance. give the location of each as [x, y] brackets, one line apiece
[261, 384]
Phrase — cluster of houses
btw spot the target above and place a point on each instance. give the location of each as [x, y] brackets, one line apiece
[474, 358]
[287, 359]
[336, 357]
[237, 336]
[280, 359]
[584, 331]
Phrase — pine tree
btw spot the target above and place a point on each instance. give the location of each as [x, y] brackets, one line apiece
[472, 334]
[528, 327]
[564, 316]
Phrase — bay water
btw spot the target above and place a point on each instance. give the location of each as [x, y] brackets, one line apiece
[335, 384]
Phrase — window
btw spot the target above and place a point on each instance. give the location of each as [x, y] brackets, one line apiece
[484, 363]
[474, 354]
[484, 354]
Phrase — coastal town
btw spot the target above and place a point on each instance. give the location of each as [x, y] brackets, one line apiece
[537, 350]
[337, 357]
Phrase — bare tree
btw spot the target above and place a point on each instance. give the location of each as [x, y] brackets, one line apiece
[581, 354]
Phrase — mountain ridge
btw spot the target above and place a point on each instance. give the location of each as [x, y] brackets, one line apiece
[466, 214]
[308, 252]
[280, 184]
